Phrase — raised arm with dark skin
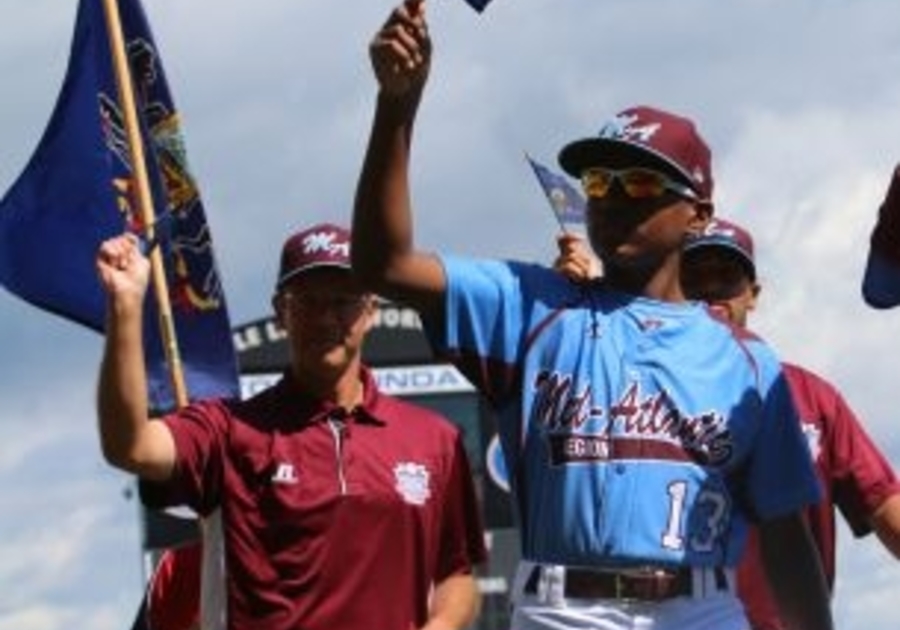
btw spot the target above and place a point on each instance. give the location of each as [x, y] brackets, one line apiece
[383, 250]
[129, 439]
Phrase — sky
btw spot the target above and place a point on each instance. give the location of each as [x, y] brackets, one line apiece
[798, 99]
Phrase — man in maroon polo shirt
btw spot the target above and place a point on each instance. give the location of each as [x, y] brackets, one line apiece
[341, 508]
[718, 267]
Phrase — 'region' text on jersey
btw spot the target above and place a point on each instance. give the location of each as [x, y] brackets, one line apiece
[636, 431]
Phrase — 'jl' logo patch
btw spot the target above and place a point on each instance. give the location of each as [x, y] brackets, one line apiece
[412, 481]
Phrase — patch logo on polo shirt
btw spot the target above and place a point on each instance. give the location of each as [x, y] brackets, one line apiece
[285, 473]
[413, 482]
[813, 439]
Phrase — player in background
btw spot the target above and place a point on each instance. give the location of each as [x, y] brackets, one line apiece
[719, 268]
[639, 431]
[881, 280]
[341, 507]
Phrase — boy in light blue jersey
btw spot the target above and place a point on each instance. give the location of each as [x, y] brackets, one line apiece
[641, 434]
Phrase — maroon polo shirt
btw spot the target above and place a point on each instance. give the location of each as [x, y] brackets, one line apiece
[854, 476]
[332, 520]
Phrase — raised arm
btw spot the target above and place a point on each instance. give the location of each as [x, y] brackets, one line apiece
[383, 248]
[129, 439]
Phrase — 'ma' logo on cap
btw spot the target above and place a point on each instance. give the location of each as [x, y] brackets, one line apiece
[697, 174]
[625, 127]
[325, 242]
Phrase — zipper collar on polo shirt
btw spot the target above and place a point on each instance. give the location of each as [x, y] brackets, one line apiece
[296, 402]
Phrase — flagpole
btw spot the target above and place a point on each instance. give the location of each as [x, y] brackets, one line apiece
[144, 198]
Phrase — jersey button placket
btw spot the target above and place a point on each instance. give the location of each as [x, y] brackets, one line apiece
[337, 424]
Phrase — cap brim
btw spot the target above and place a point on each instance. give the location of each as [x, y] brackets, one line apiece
[615, 153]
[293, 273]
[723, 243]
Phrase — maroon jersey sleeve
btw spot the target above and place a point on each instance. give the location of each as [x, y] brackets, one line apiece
[200, 432]
[462, 536]
[855, 479]
[855, 475]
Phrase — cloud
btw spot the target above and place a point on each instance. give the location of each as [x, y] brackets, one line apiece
[51, 617]
[70, 553]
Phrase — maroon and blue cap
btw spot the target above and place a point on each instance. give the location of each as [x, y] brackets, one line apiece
[322, 245]
[727, 235]
[645, 136]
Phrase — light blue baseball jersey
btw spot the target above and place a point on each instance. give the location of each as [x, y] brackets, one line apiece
[635, 431]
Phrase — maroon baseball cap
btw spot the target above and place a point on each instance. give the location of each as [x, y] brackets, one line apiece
[728, 235]
[322, 245]
[644, 136]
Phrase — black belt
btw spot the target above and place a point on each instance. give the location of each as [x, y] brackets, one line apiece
[646, 584]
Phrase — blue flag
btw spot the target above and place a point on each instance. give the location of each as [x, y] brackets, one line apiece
[77, 191]
[478, 5]
[567, 203]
